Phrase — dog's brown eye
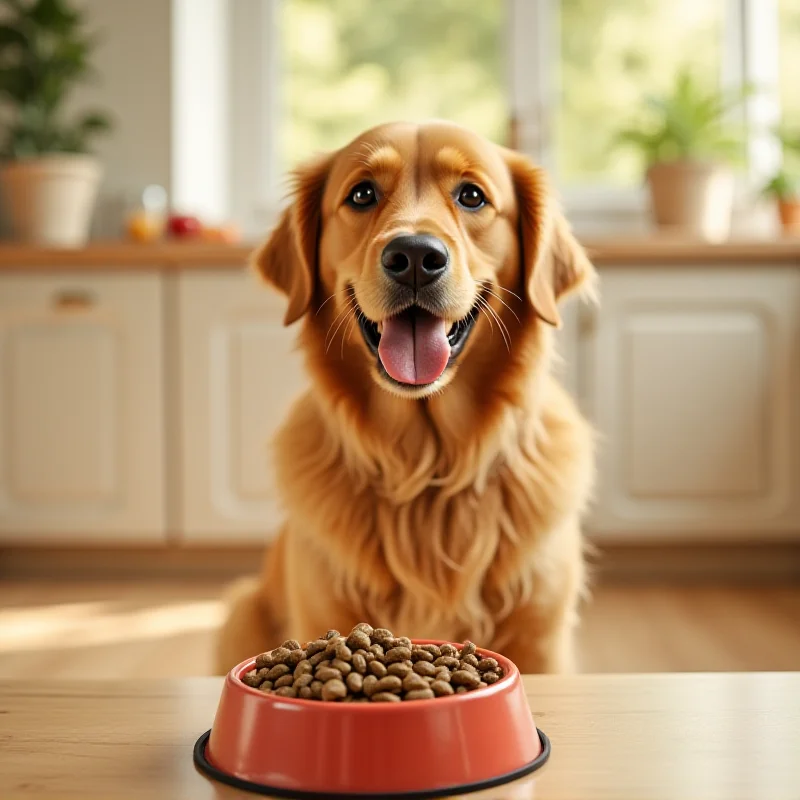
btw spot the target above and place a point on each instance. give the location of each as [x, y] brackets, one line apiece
[362, 195]
[471, 197]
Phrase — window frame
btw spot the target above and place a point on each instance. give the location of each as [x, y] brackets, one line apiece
[750, 55]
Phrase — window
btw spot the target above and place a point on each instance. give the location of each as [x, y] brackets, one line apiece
[351, 64]
[790, 61]
[612, 52]
[556, 78]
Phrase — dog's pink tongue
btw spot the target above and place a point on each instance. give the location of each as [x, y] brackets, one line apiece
[414, 347]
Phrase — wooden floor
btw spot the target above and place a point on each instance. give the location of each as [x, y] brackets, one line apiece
[145, 629]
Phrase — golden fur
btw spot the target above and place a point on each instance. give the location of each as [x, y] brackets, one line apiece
[445, 512]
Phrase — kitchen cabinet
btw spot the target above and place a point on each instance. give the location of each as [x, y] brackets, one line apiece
[693, 383]
[81, 407]
[239, 372]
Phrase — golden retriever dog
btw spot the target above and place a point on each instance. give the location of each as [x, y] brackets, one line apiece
[434, 475]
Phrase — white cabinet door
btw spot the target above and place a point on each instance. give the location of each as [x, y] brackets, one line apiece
[694, 383]
[239, 375]
[81, 408]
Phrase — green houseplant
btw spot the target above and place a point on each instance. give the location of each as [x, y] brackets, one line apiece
[784, 186]
[687, 146]
[48, 175]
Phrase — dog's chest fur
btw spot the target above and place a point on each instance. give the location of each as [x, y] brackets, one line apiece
[436, 539]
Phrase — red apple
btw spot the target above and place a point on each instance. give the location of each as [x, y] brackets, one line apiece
[181, 226]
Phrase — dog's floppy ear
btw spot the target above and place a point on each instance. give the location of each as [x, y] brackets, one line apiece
[554, 263]
[288, 259]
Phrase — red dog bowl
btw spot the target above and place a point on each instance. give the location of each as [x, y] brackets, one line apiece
[288, 747]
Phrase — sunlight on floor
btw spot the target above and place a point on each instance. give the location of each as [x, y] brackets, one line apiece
[77, 625]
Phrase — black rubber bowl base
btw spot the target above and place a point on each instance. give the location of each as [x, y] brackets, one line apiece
[230, 780]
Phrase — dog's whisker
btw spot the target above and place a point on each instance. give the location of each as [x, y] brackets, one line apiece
[338, 316]
[348, 330]
[350, 307]
[500, 300]
[328, 300]
[492, 286]
[500, 324]
[482, 310]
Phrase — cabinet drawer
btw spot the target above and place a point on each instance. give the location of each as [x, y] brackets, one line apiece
[81, 407]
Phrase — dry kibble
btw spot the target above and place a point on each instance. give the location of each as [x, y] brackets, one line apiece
[251, 679]
[359, 640]
[325, 674]
[398, 654]
[342, 666]
[354, 682]
[330, 650]
[264, 660]
[344, 653]
[469, 649]
[334, 690]
[295, 657]
[399, 668]
[391, 683]
[378, 668]
[365, 627]
[371, 665]
[317, 658]
[303, 668]
[412, 682]
[316, 646]
[421, 655]
[303, 681]
[279, 655]
[464, 677]
[425, 668]
[420, 694]
[385, 697]
[278, 671]
[382, 635]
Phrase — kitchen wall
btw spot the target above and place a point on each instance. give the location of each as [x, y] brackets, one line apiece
[133, 63]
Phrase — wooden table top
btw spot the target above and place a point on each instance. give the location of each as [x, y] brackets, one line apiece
[648, 737]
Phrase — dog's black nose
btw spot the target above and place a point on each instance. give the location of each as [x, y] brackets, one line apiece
[415, 259]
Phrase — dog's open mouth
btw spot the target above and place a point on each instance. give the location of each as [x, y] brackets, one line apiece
[414, 347]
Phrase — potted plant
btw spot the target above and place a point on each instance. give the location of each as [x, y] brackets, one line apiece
[687, 147]
[48, 176]
[784, 186]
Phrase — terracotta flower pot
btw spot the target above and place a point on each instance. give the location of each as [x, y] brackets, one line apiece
[692, 197]
[50, 199]
[789, 212]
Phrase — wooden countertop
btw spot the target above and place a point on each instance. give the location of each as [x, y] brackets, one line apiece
[623, 251]
[642, 737]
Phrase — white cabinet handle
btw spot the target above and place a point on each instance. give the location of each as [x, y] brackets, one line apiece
[73, 300]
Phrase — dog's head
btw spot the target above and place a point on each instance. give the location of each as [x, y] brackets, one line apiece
[419, 236]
